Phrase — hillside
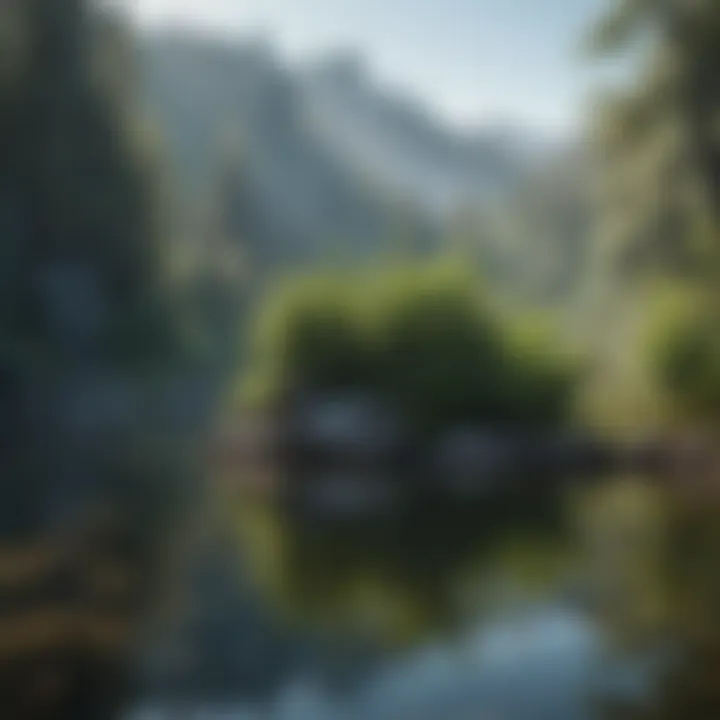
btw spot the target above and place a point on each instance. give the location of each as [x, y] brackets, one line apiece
[396, 141]
[235, 112]
[321, 163]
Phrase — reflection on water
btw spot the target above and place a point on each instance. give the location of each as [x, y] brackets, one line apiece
[544, 662]
[610, 614]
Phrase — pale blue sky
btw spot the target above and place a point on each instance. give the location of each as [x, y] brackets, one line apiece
[475, 61]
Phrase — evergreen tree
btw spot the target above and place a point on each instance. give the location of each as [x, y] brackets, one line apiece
[662, 151]
[102, 403]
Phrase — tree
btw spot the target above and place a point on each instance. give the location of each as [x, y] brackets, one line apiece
[423, 337]
[103, 402]
[662, 159]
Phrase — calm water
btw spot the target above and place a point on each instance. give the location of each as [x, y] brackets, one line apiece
[544, 662]
[585, 642]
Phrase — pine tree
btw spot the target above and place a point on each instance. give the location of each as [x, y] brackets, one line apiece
[662, 149]
[102, 405]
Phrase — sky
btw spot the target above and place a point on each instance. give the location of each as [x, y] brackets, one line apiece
[474, 62]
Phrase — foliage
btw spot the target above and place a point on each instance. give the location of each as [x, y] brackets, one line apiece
[660, 150]
[401, 580]
[683, 350]
[102, 410]
[421, 335]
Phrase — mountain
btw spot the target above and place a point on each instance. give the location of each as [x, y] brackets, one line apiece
[234, 115]
[396, 141]
[320, 163]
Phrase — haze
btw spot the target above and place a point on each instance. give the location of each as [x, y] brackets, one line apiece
[475, 62]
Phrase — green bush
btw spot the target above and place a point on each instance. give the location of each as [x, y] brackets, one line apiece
[684, 355]
[426, 338]
[422, 336]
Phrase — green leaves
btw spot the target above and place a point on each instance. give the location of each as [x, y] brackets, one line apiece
[658, 153]
[688, 364]
[423, 337]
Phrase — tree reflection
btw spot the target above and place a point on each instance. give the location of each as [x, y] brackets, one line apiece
[401, 577]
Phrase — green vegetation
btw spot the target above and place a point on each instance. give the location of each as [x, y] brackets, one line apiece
[682, 354]
[660, 152]
[421, 335]
[657, 218]
[660, 217]
[103, 403]
[425, 337]
[398, 581]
